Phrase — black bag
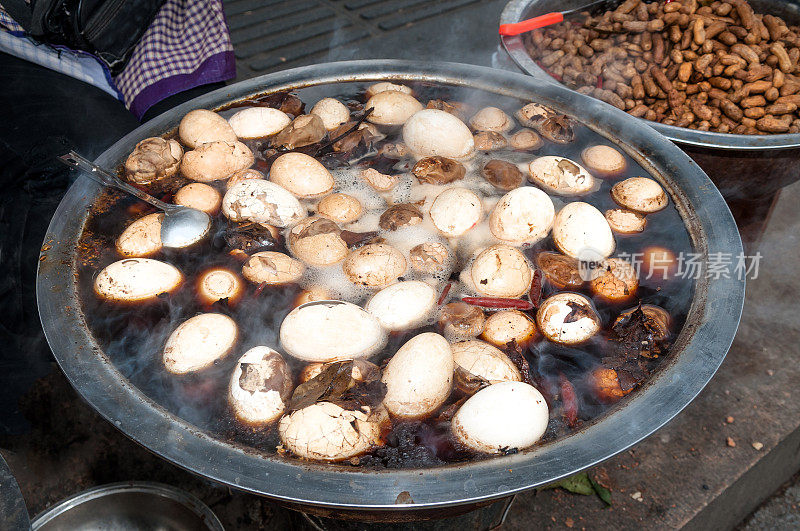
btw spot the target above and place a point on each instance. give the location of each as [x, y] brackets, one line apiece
[109, 29]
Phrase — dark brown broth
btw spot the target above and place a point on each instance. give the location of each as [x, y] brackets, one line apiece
[133, 336]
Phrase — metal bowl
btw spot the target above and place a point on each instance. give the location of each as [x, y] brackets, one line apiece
[697, 353]
[742, 166]
[13, 512]
[127, 506]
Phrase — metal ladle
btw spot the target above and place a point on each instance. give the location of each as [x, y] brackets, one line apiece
[181, 226]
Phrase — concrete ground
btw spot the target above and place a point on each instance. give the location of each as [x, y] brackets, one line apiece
[781, 512]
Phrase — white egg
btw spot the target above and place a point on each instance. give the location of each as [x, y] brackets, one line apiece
[199, 196]
[579, 228]
[142, 237]
[201, 126]
[198, 342]
[374, 265]
[302, 175]
[403, 305]
[260, 386]
[261, 201]
[331, 331]
[258, 122]
[523, 215]
[604, 160]
[219, 284]
[272, 267]
[136, 279]
[341, 208]
[332, 112]
[501, 271]
[419, 377]
[455, 211]
[326, 432]
[625, 221]
[500, 417]
[432, 132]
[491, 119]
[640, 194]
[215, 161]
[560, 175]
[567, 318]
[391, 107]
[509, 325]
[384, 86]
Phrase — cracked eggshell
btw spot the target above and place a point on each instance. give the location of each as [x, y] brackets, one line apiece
[580, 226]
[331, 331]
[272, 268]
[199, 196]
[479, 363]
[616, 280]
[260, 387]
[332, 112]
[258, 122]
[509, 325]
[243, 175]
[639, 194]
[391, 107]
[403, 305]
[198, 342]
[261, 201]
[341, 208]
[384, 86]
[430, 257]
[455, 211]
[431, 132]
[502, 416]
[501, 271]
[302, 175]
[374, 265]
[326, 432]
[523, 215]
[317, 242]
[202, 126]
[136, 279]
[491, 119]
[560, 175]
[553, 313]
[142, 237]
[604, 160]
[215, 161]
[419, 377]
[625, 221]
[361, 371]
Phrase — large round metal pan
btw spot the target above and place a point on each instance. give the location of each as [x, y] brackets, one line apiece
[697, 353]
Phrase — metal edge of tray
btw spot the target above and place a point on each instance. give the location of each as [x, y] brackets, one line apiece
[701, 349]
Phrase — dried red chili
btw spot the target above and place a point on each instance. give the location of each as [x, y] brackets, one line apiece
[535, 293]
[496, 302]
[445, 291]
[569, 400]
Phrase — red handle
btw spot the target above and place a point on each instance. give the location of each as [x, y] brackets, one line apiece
[531, 24]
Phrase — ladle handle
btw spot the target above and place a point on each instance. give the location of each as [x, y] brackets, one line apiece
[107, 178]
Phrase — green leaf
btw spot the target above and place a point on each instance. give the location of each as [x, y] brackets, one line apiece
[578, 484]
[581, 484]
[602, 492]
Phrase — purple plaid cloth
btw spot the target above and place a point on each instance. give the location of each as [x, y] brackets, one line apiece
[186, 45]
